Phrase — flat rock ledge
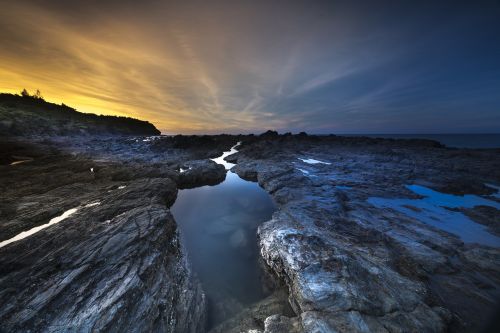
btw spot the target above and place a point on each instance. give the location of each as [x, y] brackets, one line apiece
[352, 267]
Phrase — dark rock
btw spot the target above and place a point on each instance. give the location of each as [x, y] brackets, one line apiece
[199, 173]
[348, 265]
[485, 215]
[269, 134]
[352, 267]
[115, 265]
[28, 116]
[254, 317]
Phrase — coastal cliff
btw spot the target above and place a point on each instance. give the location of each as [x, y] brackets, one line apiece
[31, 116]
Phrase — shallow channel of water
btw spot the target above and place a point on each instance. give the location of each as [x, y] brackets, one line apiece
[219, 228]
[436, 208]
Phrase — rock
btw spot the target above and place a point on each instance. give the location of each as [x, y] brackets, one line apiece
[350, 266]
[486, 215]
[254, 317]
[281, 324]
[115, 264]
[198, 173]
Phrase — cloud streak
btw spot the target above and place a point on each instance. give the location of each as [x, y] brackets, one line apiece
[232, 66]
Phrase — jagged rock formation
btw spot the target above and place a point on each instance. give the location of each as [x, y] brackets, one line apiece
[254, 318]
[347, 264]
[193, 173]
[114, 264]
[350, 266]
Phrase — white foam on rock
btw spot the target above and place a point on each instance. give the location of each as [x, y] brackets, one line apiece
[53, 221]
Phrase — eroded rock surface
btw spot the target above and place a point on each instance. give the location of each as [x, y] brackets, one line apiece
[115, 263]
[207, 172]
[351, 266]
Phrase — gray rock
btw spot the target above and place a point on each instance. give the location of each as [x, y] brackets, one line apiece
[202, 172]
[350, 266]
[115, 264]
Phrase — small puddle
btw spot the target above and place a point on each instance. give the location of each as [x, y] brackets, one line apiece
[313, 161]
[34, 230]
[434, 209]
[21, 159]
[53, 221]
[219, 228]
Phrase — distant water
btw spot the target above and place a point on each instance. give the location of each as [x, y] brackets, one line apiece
[450, 140]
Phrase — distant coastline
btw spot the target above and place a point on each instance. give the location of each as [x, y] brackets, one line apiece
[477, 141]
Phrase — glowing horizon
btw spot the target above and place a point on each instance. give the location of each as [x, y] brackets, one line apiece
[240, 67]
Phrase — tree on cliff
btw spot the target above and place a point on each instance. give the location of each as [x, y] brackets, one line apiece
[25, 93]
[36, 95]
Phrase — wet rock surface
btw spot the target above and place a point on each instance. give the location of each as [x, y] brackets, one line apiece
[485, 215]
[116, 264]
[254, 317]
[351, 266]
[207, 172]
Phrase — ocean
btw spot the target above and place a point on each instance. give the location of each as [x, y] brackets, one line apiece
[449, 140]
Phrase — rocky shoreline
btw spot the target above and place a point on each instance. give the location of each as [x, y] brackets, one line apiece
[352, 267]
[117, 263]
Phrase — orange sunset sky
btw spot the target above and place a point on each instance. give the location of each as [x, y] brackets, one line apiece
[246, 66]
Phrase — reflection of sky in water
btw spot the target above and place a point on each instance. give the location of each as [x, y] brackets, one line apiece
[220, 159]
[432, 209]
[219, 226]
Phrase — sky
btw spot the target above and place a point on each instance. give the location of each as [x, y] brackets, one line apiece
[248, 66]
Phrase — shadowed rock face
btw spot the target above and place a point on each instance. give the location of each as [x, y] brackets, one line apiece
[350, 266]
[200, 172]
[116, 263]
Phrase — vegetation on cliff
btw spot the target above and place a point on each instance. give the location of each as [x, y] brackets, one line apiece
[26, 115]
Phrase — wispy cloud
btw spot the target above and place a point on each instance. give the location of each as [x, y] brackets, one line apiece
[232, 66]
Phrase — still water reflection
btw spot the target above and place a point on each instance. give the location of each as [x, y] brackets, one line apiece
[218, 225]
[438, 209]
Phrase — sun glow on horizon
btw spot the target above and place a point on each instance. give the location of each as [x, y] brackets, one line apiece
[238, 67]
